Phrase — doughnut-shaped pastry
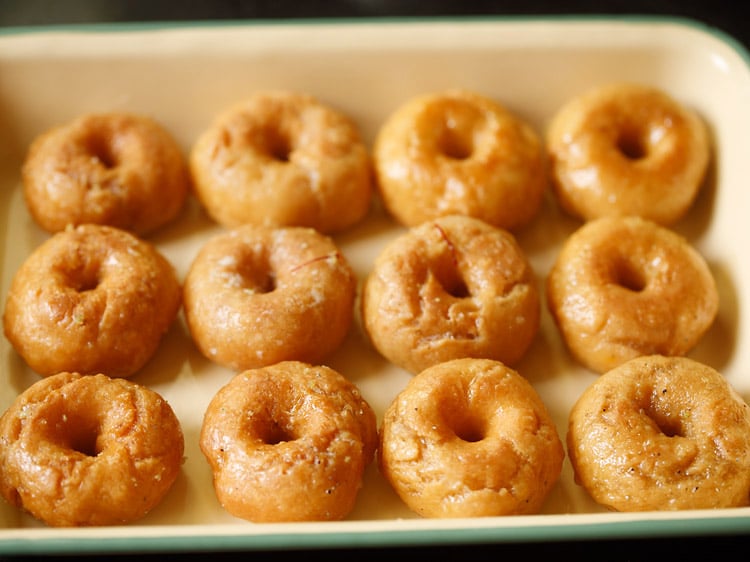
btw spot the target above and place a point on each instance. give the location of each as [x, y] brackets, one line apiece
[81, 450]
[283, 159]
[91, 299]
[627, 149]
[257, 295]
[115, 169]
[470, 438]
[624, 286]
[451, 287]
[661, 433]
[458, 152]
[288, 442]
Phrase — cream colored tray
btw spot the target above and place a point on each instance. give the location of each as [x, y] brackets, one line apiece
[184, 74]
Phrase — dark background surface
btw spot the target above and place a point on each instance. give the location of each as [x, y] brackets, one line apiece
[727, 17]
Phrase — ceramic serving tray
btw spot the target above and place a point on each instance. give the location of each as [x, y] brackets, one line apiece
[183, 75]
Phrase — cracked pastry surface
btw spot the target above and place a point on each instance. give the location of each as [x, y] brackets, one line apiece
[451, 287]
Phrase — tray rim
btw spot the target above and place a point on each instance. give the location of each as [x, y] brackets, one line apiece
[364, 534]
[631, 18]
[638, 18]
[426, 533]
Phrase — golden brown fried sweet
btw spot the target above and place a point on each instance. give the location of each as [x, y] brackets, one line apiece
[625, 286]
[91, 299]
[661, 433]
[81, 450]
[470, 438]
[258, 295]
[451, 287]
[115, 169]
[283, 158]
[459, 152]
[288, 442]
[627, 149]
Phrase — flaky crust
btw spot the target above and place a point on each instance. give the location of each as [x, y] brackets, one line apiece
[459, 152]
[283, 158]
[288, 442]
[625, 286]
[470, 438]
[661, 433]
[88, 450]
[448, 288]
[627, 149]
[116, 169]
[91, 299]
[256, 295]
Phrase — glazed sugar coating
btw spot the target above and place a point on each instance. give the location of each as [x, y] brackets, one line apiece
[459, 152]
[625, 286]
[470, 438]
[256, 295]
[283, 158]
[661, 433]
[88, 450]
[115, 169]
[289, 442]
[91, 299]
[448, 288]
[627, 149]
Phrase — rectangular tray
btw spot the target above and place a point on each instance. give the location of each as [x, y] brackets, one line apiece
[185, 74]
